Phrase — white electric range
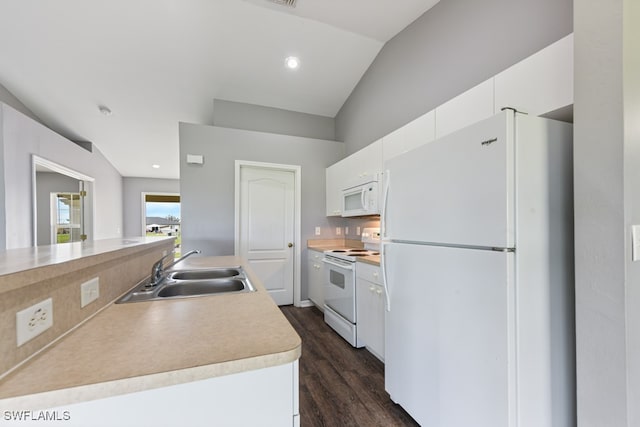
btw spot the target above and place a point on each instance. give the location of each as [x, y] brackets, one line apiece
[340, 285]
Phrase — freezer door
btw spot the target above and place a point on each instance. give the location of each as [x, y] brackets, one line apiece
[447, 335]
[456, 190]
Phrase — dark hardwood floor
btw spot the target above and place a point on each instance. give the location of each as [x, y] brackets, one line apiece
[339, 385]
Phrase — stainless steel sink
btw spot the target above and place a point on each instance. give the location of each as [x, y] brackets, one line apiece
[218, 273]
[202, 287]
[191, 283]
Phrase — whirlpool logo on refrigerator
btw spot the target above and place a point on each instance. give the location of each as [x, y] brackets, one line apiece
[488, 142]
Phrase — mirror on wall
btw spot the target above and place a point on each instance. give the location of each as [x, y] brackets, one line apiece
[62, 203]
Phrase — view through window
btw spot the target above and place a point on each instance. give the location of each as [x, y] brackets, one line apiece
[162, 217]
[66, 217]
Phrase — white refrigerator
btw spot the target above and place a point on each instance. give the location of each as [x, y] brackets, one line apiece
[477, 258]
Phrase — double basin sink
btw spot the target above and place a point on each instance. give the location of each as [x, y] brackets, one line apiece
[191, 283]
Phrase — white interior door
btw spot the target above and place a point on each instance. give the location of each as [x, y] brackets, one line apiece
[267, 227]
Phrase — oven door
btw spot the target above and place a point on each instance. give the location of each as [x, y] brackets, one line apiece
[340, 287]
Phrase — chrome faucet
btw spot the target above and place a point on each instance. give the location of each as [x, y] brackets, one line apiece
[157, 271]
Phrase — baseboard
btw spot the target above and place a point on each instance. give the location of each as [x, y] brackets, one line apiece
[307, 303]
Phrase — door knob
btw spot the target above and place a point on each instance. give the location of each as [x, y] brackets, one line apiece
[290, 245]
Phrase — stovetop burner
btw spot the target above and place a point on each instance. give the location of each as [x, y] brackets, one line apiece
[351, 254]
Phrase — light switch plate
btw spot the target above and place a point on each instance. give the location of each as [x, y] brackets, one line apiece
[33, 321]
[195, 159]
[635, 242]
[338, 231]
[317, 231]
[89, 291]
[346, 231]
[357, 231]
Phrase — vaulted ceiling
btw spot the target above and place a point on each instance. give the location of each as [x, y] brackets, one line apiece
[155, 63]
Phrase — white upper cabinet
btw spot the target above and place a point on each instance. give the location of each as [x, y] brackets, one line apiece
[364, 165]
[465, 109]
[409, 136]
[359, 168]
[540, 83]
[335, 174]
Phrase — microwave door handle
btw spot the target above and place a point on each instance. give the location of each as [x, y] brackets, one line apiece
[345, 267]
[362, 194]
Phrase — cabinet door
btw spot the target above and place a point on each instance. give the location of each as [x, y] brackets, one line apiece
[412, 135]
[364, 165]
[315, 278]
[334, 189]
[465, 109]
[361, 167]
[540, 83]
[370, 316]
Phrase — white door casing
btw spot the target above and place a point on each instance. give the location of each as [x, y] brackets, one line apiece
[267, 226]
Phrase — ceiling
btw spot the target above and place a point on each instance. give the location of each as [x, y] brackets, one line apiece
[155, 63]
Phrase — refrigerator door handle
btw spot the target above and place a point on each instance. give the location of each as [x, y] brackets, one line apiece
[383, 268]
[383, 216]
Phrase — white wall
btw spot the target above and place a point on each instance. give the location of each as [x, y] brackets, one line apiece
[607, 203]
[239, 115]
[132, 196]
[207, 191]
[631, 73]
[21, 138]
[451, 48]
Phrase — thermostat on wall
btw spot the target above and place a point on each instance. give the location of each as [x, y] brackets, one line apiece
[195, 159]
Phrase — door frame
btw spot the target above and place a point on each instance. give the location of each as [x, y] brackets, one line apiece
[37, 161]
[297, 171]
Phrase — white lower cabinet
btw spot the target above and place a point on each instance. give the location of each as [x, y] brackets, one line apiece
[370, 308]
[315, 278]
[262, 397]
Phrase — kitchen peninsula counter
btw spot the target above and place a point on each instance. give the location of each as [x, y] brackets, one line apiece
[19, 267]
[146, 345]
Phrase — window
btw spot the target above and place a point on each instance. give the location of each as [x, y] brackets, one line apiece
[162, 216]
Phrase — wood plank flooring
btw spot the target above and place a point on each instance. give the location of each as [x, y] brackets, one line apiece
[339, 385]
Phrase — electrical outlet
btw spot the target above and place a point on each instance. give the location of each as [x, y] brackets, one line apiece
[357, 231]
[346, 231]
[338, 231]
[89, 291]
[317, 231]
[33, 321]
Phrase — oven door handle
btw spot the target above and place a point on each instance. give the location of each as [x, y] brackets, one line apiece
[345, 267]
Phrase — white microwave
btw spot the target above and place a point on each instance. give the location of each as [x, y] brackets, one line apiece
[360, 200]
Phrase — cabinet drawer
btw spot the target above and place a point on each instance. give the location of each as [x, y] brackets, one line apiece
[369, 272]
[314, 256]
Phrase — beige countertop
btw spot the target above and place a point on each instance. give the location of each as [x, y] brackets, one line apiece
[139, 346]
[371, 259]
[322, 245]
[65, 258]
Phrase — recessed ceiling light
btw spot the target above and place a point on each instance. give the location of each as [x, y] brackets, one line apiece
[155, 166]
[292, 62]
[105, 110]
